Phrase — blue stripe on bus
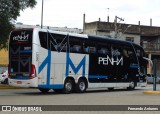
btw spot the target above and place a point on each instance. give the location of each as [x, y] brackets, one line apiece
[73, 67]
[26, 51]
[47, 62]
[96, 76]
[52, 86]
[134, 66]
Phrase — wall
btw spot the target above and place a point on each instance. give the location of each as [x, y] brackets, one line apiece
[3, 57]
[90, 28]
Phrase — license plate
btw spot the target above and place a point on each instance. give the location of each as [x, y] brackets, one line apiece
[19, 82]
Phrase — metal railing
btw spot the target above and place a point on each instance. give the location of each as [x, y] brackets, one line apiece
[151, 46]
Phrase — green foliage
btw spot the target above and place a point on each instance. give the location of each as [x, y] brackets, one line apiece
[9, 11]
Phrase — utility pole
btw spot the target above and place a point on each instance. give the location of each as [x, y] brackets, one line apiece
[42, 16]
[108, 15]
[115, 24]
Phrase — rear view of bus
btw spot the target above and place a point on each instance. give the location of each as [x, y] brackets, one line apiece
[21, 71]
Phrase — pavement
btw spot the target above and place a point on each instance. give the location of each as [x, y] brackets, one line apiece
[6, 86]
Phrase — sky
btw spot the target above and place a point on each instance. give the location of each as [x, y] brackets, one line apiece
[69, 13]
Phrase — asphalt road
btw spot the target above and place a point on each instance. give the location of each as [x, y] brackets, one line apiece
[91, 97]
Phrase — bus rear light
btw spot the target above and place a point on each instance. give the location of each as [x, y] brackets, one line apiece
[33, 72]
[3, 75]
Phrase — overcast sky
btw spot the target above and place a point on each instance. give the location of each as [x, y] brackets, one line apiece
[61, 13]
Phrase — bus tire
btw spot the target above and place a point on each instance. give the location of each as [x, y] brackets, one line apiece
[68, 86]
[81, 86]
[131, 85]
[43, 90]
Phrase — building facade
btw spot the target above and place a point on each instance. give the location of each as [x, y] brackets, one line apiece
[146, 36]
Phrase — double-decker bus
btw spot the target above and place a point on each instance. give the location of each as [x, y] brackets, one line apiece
[67, 62]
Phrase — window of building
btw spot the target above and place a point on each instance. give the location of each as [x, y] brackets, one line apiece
[130, 39]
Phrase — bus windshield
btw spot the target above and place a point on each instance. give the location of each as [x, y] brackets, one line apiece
[20, 53]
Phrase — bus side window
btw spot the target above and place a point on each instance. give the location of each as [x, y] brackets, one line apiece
[116, 50]
[92, 49]
[85, 50]
[75, 45]
[89, 47]
[43, 39]
[76, 48]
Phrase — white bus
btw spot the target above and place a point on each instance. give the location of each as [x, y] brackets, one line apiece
[67, 62]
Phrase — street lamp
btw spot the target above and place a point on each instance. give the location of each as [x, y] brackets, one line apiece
[42, 16]
[125, 30]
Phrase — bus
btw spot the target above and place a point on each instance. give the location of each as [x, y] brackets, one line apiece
[69, 62]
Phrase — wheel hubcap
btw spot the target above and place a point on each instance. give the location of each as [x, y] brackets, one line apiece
[82, 86]
[68, 86]
[132, 85]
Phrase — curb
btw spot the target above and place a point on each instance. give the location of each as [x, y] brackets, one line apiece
[9, 87]
[152, 92]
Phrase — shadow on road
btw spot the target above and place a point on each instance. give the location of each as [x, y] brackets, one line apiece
[35, 92]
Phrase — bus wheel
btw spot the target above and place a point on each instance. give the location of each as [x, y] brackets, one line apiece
[68, 86]
[131, 85]
[81, 86]
[43, 90]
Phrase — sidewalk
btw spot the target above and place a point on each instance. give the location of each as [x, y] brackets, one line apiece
[151, 92]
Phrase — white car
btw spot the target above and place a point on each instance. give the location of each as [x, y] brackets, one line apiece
[4, 77]
[150, 78]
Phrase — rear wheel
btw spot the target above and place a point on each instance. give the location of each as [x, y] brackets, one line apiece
[43, 90]
[81, 86]
[68, 86]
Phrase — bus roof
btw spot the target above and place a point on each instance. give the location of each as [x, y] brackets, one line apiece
[89, 36]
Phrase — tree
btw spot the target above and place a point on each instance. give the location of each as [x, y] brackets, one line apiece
[9, 11]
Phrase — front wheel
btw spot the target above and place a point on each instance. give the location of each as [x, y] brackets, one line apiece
[131, 85]
[43, 90]
[81, 86]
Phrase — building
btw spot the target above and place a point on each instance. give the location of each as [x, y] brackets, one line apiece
[146, 36]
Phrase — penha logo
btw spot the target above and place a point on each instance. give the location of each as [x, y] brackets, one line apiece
[23, 37]
[113, 61]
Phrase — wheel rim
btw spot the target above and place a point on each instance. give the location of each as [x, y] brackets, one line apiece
[68, 86]
[82, 86]
[131, 85]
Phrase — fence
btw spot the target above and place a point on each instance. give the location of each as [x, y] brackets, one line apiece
[151, 46]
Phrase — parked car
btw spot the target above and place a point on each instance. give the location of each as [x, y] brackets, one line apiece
[4, 77]
[150, 78]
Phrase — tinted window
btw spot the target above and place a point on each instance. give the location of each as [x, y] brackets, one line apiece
[53, 42]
